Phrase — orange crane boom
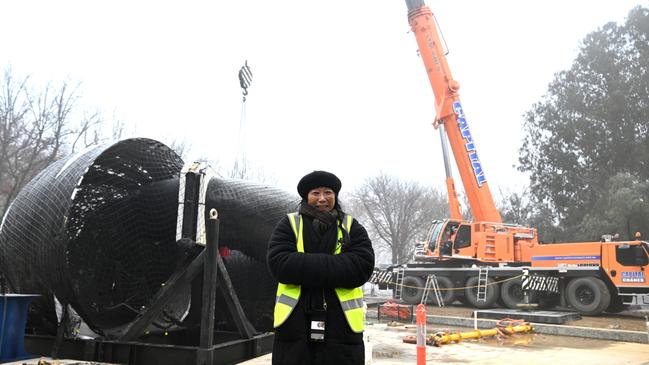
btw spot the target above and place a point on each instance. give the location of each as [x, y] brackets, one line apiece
[450, 114]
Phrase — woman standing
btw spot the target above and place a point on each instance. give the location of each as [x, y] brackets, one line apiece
[321, 257]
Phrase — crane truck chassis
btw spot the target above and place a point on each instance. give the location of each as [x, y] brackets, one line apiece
[483, 262]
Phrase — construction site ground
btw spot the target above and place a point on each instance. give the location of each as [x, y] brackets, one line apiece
[387, 347]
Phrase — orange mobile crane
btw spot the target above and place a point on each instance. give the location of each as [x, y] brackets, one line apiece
[478, 262]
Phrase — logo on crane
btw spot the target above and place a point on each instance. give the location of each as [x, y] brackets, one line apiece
[632, 277]
[469, 145]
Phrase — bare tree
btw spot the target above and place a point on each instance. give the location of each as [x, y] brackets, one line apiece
[36, 129]
[398, 213]
[242, 169]
[181, 146]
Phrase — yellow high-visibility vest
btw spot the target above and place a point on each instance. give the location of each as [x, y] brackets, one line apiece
[351, 300]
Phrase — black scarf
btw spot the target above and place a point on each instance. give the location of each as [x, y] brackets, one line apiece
[322, 221]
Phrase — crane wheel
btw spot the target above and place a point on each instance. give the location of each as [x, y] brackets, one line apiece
[511, 293]
[588, 295]
[413, 289]
[471, 293]
[447, 292]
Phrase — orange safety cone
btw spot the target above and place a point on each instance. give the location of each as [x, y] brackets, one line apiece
[421, 334]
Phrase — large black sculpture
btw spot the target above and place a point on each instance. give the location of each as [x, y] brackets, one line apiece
[98, 231]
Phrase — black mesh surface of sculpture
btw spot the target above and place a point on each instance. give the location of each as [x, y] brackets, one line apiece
[98, 230]
[248, 213]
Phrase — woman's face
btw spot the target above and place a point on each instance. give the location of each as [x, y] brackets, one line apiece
[323, 199]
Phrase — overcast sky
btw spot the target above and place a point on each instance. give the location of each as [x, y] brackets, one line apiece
[337, 85]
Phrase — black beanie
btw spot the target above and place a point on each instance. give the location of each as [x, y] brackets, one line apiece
[318, 179]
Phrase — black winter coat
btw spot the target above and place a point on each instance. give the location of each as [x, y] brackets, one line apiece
[319, 271]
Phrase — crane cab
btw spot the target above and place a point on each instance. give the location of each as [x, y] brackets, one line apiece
[446, 239]
[626, 262]
[488, 242]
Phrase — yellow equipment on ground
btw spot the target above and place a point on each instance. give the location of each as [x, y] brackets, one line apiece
[504, 327]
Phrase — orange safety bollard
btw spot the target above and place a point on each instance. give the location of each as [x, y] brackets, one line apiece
[421, 334]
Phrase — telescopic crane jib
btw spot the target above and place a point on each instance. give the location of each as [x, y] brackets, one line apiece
[451, 119]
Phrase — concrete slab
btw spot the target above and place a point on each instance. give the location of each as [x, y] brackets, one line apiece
[539, 316]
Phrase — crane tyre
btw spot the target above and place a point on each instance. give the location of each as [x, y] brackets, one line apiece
[511, 293]
[588, 295]
[447, 292]
[412, 290]
[471, 293]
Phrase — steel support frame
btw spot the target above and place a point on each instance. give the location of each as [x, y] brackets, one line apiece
[135, 346]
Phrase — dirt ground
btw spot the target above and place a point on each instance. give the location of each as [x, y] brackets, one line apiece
[627, 320]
